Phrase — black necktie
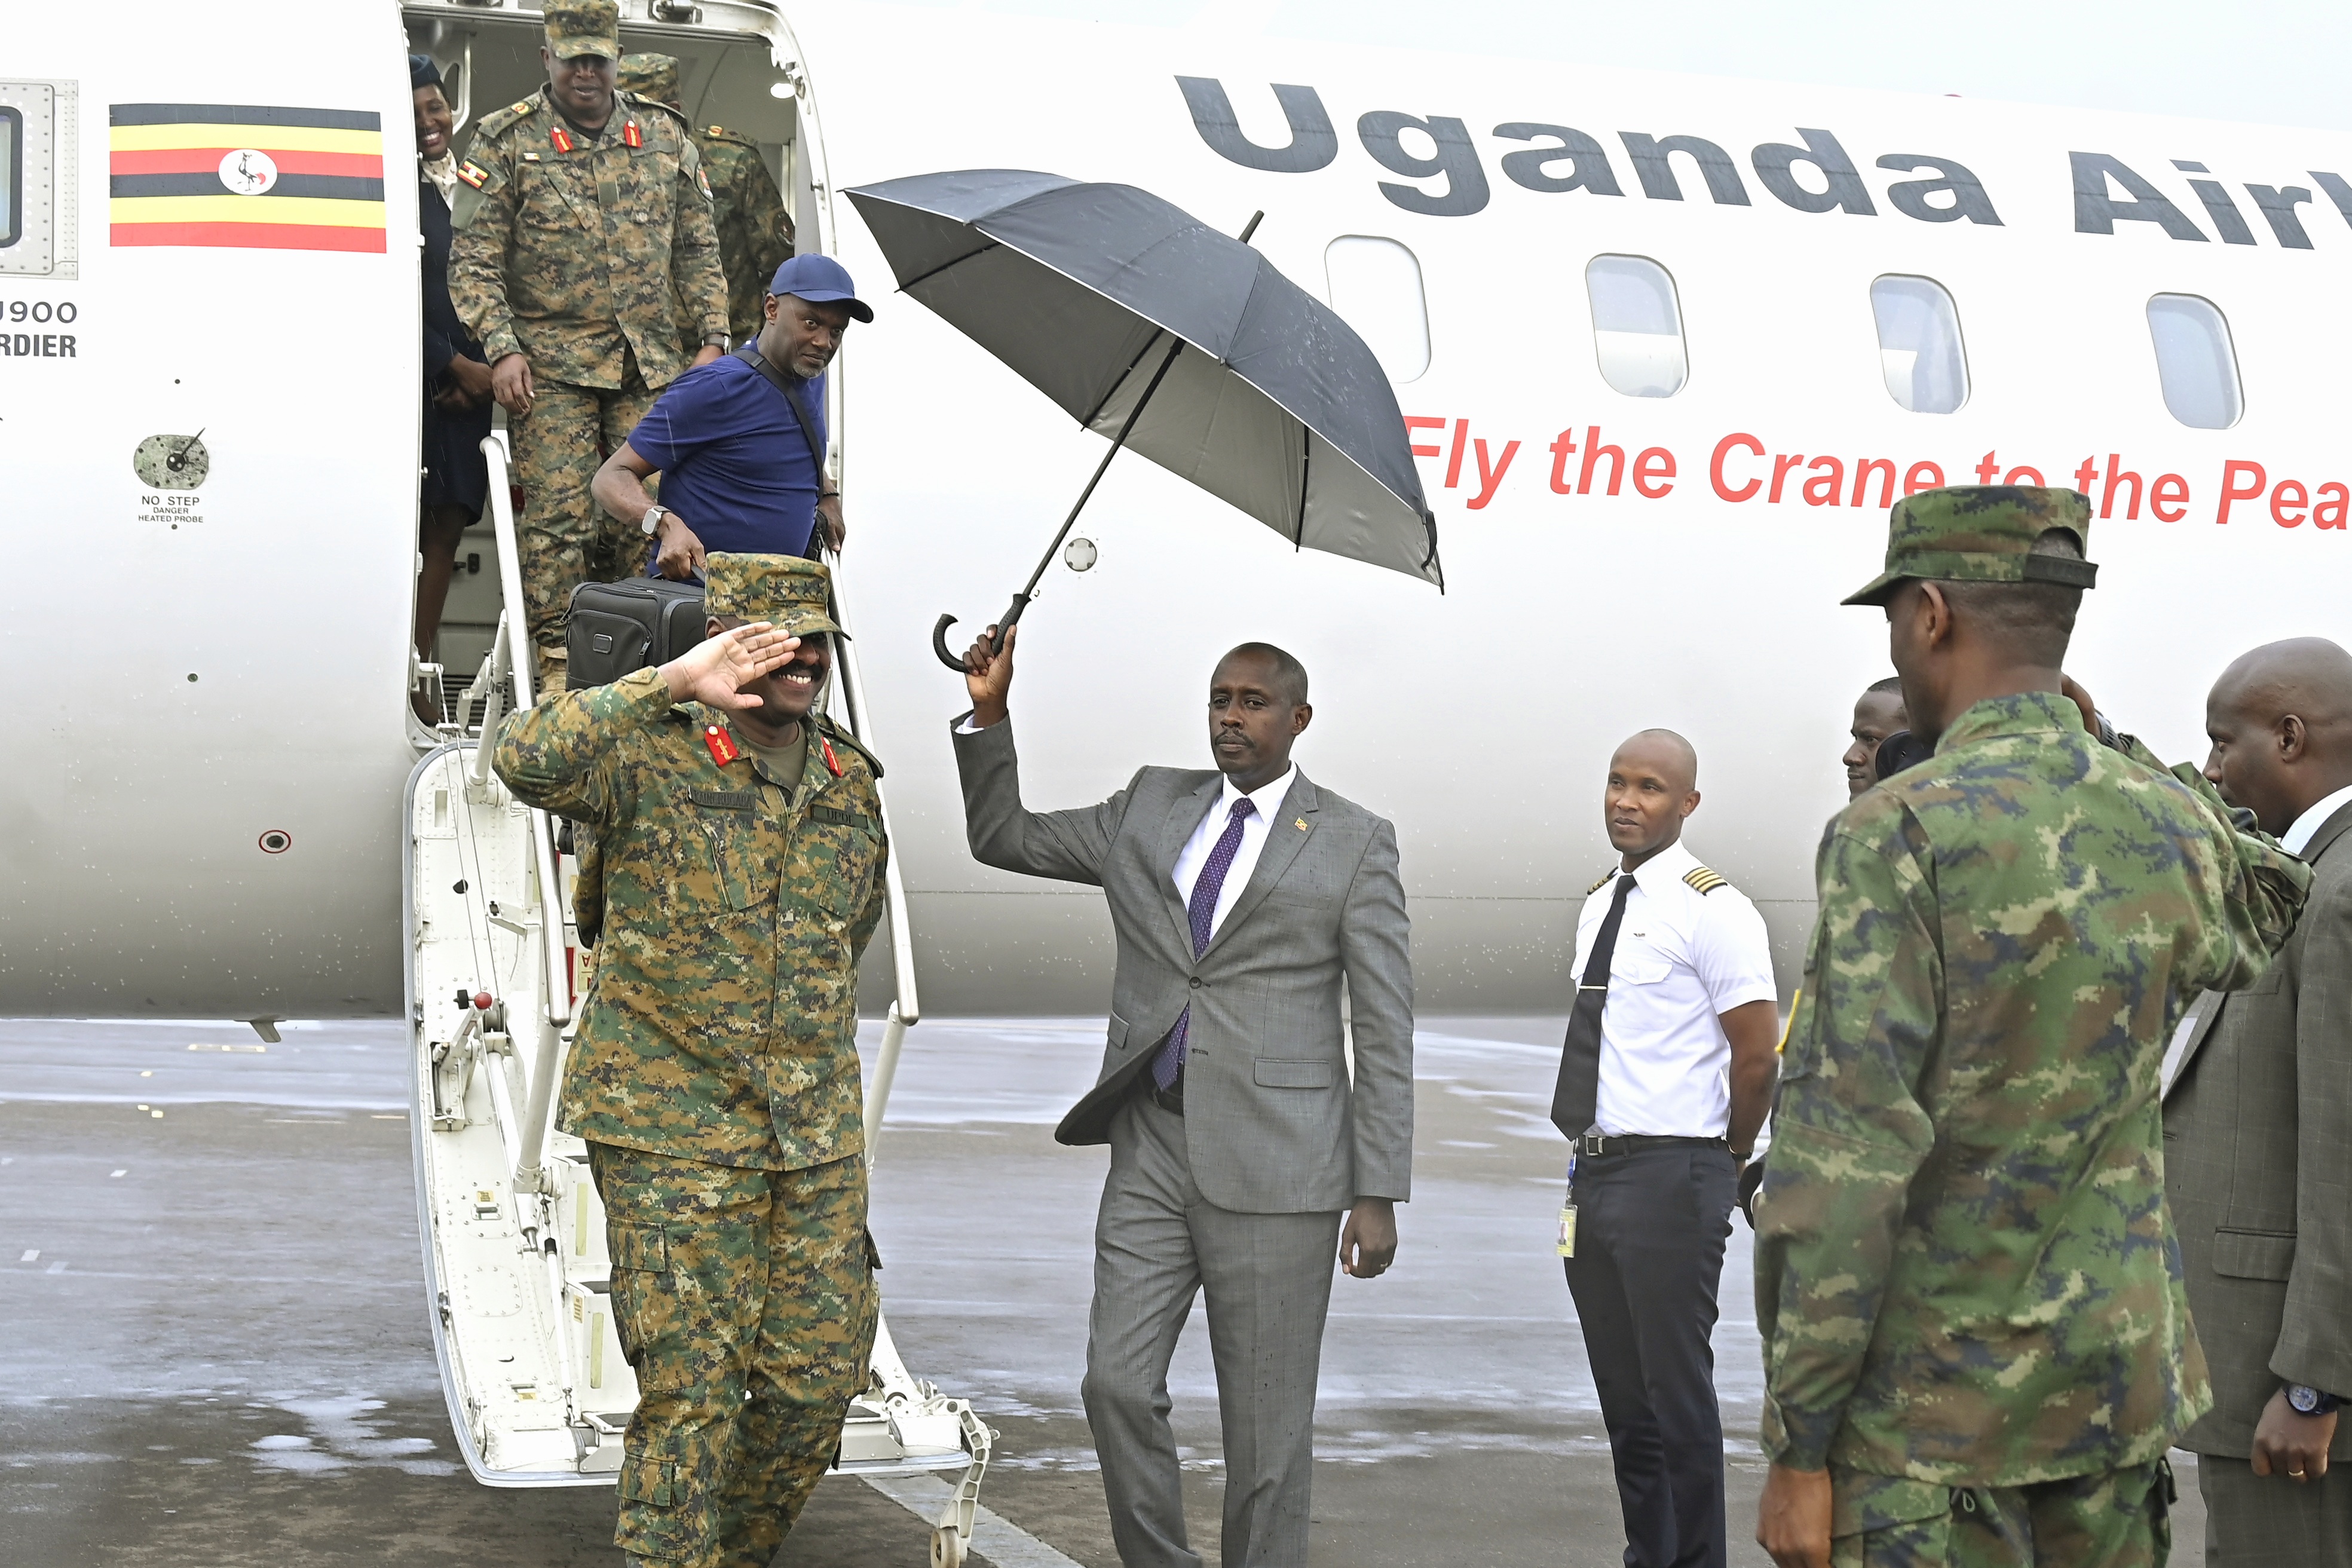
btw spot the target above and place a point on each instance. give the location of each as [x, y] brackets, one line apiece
[1579, 1091]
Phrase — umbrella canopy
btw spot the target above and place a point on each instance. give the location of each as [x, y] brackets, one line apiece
[1082, 289]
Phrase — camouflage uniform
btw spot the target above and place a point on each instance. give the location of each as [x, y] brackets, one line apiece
[571, 252]
[755, 233]
[715, 1077]
[1967, 1282]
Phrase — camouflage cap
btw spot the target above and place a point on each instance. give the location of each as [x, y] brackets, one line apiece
[1982, 533]
[792, 593]
[576, 28]
[649, 76]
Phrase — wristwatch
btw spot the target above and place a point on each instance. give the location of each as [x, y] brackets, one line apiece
[651, 521]
[2305, 1400]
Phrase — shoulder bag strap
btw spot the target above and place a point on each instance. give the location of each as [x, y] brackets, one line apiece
[785, 388]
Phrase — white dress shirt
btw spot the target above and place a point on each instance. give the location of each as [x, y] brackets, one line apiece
[2312, 821]
[1255, 828]
[1683, 957]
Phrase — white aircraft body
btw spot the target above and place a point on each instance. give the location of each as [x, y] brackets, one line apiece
[229, 660]
[1667, 348]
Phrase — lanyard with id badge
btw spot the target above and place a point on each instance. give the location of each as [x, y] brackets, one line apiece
[1567, 1246]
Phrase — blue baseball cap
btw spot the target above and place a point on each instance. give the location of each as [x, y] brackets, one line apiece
[821, 280]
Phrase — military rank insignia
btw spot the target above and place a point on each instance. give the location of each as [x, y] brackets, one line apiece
[832, 763]
[561, 138]
[473, 173]
[631, 135]
[721, 744]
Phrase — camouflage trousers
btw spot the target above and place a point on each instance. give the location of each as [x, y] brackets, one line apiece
[2113, 1519]
[565, 538]
[745, 1299]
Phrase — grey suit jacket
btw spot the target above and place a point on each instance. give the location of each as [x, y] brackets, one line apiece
[2258, 1167]
[1272, 1122]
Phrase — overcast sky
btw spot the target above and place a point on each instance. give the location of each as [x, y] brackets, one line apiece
[2274, 61]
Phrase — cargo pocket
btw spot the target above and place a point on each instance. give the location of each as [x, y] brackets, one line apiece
[729, 823]
[644, 1297]
[834, 859]
[664, 1517]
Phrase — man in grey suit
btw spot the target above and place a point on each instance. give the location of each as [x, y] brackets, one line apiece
[1242, 900]
[2258, 1138]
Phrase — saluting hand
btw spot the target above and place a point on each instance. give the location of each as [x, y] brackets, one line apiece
[988, 676]
[714, 672]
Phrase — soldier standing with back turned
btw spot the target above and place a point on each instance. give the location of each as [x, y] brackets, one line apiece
[1976, 1346]
[715, 1072]
[581, 214]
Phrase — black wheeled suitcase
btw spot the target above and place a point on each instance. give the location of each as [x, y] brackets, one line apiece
[619, 626]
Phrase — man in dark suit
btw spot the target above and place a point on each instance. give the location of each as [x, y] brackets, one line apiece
[1242, 899]
[2258, 1138]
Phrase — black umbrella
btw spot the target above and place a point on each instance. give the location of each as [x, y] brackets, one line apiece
[1095, 293]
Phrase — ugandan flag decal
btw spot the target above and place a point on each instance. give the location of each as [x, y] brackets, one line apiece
[245, 176]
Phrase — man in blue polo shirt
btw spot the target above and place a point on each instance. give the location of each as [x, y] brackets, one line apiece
[737, 441]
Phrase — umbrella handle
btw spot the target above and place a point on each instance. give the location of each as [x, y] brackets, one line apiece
[939, 633]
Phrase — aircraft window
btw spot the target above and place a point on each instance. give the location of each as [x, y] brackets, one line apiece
[1376, 289]
[1919, 350]
[1637, 326]
[12, 164]
[2195, 361]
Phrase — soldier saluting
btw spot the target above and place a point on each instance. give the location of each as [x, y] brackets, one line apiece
[581, 213]
[1976, 1346]
[715, 1071]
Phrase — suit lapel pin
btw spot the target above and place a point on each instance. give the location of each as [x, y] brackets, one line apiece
[1299, 823]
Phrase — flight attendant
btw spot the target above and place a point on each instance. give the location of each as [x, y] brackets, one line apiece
[1665, 1076]
[457, 377]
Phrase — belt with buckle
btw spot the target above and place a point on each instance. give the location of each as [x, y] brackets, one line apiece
[1596, 1145]
[1172, 1099]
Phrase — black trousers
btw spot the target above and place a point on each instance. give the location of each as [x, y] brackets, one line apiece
[1650, 1232]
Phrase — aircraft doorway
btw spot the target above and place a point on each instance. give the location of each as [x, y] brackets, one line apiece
[738, 68]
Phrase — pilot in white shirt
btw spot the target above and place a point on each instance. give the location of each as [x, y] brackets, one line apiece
[1691, 948]
[1665, 1077]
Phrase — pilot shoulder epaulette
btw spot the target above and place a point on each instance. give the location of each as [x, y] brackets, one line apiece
[826, 725]
[1601, 884]
[1703, 880]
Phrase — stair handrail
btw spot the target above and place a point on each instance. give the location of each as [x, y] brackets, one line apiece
[555, 961]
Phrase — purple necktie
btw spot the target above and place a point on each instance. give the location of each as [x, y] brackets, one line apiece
[1202, 908]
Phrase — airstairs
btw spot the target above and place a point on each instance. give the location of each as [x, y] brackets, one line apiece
[516, 1268]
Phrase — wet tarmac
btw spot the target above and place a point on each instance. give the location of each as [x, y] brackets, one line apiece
[216, 1350]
